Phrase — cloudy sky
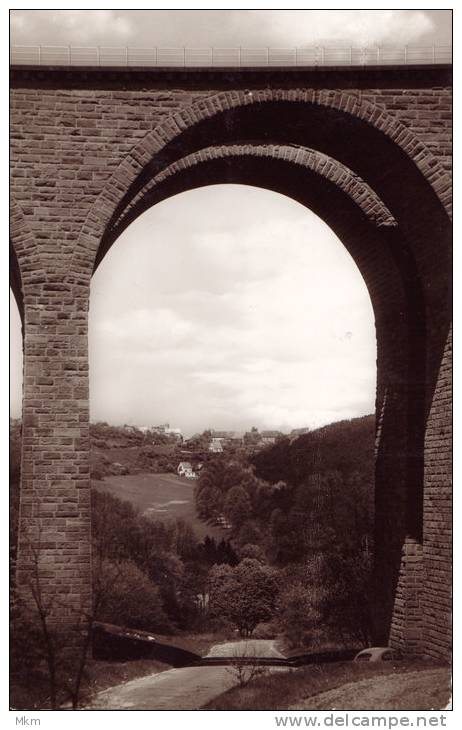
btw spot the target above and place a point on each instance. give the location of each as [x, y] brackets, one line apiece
[201, 317]
[221, 28]
[227, 307]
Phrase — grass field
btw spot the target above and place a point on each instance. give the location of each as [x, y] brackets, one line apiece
[160, 497]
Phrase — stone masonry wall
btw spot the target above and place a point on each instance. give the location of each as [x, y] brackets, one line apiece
[67, 140]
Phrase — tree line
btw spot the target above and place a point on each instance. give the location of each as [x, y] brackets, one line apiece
[303, 509]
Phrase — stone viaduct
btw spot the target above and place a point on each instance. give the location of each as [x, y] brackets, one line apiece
[368, 150]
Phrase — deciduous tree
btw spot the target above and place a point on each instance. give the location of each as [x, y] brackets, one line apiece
[245, 594]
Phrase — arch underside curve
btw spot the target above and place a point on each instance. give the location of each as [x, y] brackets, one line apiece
[339, 124]
[310, 178]
[363, 138]
[343, 177]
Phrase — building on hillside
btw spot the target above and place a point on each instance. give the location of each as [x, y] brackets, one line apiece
[160, 429]
[185, 469]
[165, 430]
[228, 437]
[216, 445]
[269, 437]
[221, 434]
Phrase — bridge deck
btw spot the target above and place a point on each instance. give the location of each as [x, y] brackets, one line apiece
[307, 57]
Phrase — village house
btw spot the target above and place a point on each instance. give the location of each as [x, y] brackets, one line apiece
[269, 437]
[228, 437]
[185, 469]
[216, 445]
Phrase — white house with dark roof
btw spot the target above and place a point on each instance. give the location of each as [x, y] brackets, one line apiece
[185, 469]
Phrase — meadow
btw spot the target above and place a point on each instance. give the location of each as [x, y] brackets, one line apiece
[160, 497]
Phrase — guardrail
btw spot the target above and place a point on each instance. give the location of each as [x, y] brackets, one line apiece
[228, 57]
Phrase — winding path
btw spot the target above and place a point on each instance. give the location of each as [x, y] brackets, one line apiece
[188, 688]
[249, 648]
[177, 689]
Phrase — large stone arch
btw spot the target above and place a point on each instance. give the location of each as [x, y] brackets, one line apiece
[157, 149]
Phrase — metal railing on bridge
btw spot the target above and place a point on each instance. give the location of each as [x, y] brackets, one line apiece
[112, 56]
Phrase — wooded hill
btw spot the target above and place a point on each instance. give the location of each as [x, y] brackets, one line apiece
[344, 447]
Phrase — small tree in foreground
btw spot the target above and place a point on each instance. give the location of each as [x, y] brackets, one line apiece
[244, 667]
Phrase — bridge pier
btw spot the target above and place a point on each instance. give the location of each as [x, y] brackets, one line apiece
[406, 627]
[54, 545]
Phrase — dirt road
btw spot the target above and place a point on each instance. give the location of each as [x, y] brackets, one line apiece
[182, 689]
[248, 648]
[177, 689]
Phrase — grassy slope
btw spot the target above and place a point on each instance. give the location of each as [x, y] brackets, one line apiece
[418, 690]
[281, 691]
[160, 497]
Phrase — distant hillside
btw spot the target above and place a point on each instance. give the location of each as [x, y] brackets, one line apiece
[345, 446]
[115, 451]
